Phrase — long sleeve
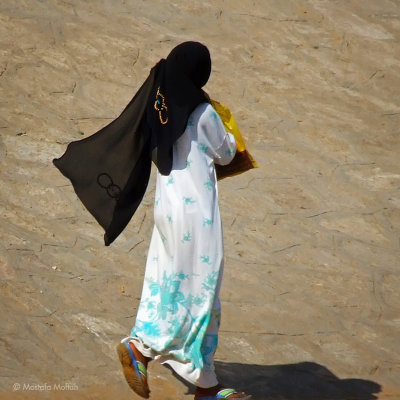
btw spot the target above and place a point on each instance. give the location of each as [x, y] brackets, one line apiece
[218, 143]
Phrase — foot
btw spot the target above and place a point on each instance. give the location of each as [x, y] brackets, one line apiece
[138, 355]
[212, 391]
[134, 367]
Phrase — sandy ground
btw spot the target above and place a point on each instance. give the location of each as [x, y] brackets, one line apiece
[311, 290]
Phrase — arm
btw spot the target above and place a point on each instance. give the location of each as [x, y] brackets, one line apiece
[217, 142]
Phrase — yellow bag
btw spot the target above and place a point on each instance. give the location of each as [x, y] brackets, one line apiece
[243, 161]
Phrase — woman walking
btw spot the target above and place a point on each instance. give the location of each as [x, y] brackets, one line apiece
[178, 129]
[179, 312]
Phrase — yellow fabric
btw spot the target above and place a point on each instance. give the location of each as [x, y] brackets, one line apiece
[243, 160]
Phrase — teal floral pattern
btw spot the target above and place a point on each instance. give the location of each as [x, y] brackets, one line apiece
[187, 237]
[210, 281]
[208, 348]
[207, 222]
[188, 200]
[178, 315]
[203, 147]
[167, 302]
[205, 260]
[209, 185]
[230, 152]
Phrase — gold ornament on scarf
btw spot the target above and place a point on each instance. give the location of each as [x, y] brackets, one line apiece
[161, 107]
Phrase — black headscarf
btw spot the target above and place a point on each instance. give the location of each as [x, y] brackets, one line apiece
[110, 170]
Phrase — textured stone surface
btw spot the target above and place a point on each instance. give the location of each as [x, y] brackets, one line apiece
[310, 297]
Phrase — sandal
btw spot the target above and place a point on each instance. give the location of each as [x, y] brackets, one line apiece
[224, 394]
[135, 372]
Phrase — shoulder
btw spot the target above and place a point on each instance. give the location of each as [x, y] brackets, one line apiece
[203, 110]
[205, 114]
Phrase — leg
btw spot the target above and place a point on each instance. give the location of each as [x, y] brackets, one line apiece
[134, 367]
[208, 350]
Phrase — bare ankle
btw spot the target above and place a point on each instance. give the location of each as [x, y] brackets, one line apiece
[138, 355]
[208, 391]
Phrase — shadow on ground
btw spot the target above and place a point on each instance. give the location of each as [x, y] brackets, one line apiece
[302, 381]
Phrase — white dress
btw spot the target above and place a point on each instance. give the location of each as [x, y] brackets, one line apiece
[179, 312]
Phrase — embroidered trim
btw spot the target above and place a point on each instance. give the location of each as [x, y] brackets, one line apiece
[161, 107]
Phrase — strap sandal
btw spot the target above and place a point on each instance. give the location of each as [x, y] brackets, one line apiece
[224, 394]
[134, 371]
